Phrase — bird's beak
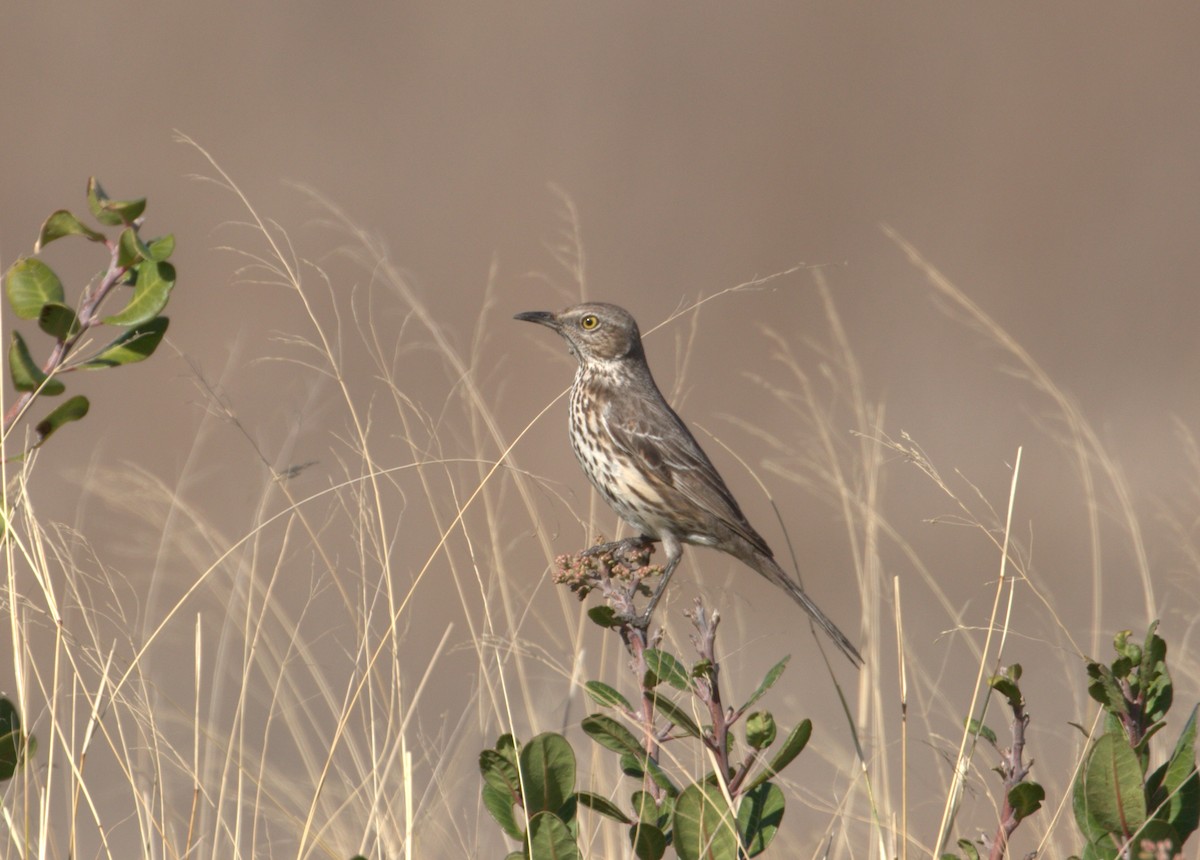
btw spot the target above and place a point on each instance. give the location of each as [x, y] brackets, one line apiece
[540, 317]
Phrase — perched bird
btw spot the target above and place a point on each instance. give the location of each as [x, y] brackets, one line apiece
[645, 462]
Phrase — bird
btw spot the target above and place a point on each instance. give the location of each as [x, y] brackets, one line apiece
[646, 464]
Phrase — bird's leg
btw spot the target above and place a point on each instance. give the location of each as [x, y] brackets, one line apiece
[674, 554]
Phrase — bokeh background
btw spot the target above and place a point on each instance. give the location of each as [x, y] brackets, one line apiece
[1042, 156]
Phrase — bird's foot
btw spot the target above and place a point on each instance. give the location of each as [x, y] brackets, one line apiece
[623, 547]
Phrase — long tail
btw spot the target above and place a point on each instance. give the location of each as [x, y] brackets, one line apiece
[769, 568]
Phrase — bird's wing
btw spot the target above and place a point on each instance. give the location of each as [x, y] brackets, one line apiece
[659, 441]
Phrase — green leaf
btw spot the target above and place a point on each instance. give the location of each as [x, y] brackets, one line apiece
[12, 740]
[25, 374]
[705, 829]
[501, 773]
[500, 805]
[567, 813]
[1005, 684]
[605, 696]
[648, 841]
[663, 666]
[59, 321]
[1123, 647]
[645, 808]
[70, 410]
[131, 248]
[1112, 786]
[1153, 677]
[63, 223]
[612, 735]
[508, 747]
[161, 249]
[768, 681]
[968, 849]
[604, 616]
[760, 730]
[640, 766]
[1174, 788]
[760, 813]
[1026, 798]
[548, 772]
[1154, 651]
[602, 805]
[150, 295]
[1157, 833]
[1105, 690]
[1104, 850]
[109, 211]
[135, 345]
[677, 715]
[1088, 826]
[30, 284]
[792, 747]
[551, 839]
[981, 729]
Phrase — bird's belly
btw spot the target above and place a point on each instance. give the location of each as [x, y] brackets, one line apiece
[626, 490]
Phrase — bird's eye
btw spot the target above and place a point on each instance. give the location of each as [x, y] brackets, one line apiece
[589, 322]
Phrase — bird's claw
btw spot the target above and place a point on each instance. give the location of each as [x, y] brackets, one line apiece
[624, 545]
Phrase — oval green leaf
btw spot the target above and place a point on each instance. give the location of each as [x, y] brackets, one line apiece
[792, 747]
[59, 321]
[507, 746]
[677, 715]
[30, 284]
[768, 681]
[1026, 798]
[25, 374]
[71, 410]
[605, 696]
[664, 666]
[12, 739]
[1181, 783]
[135, 345]
[500, 805]
[1113, 795]
[981, 730]
[131, 248]
[649, 843]
[151, 294]
[604, 616]
[498, 771]
[547, 772]
[162, 248]
[760, 730]
[612, 735]
[551, 839]
[704, 826]
[109, 211]
[63, 223]
[644, 806]
[968, 849]
[602, 805]
[760, 813]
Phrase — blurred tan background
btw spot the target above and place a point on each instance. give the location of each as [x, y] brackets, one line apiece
[1043, 156]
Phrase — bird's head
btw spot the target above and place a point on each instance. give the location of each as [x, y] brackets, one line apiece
[594, 332]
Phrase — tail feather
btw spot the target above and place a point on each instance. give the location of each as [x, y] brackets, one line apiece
[770, 569]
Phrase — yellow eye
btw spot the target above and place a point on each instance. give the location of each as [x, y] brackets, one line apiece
[589, 322]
